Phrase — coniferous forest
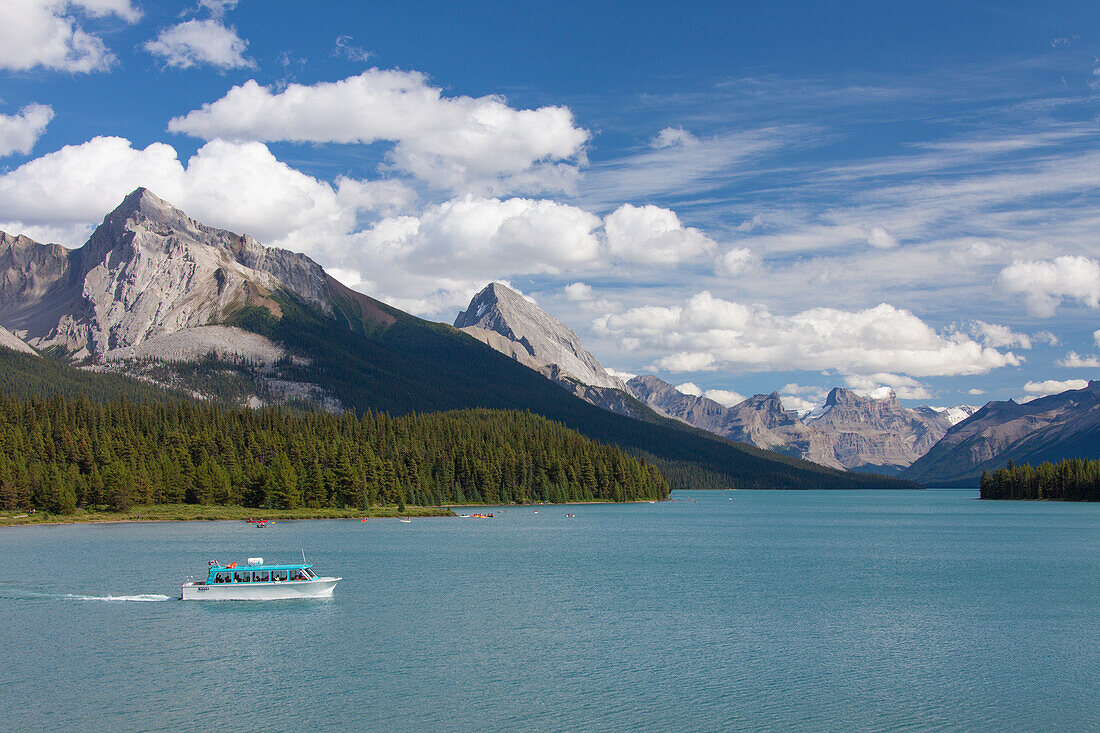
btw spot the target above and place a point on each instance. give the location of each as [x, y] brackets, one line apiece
[61, 452]
[1073, 479]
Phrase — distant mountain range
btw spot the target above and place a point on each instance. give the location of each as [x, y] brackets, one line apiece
[935, 446]
[847, 432]
[1065, 425]
[218, 315]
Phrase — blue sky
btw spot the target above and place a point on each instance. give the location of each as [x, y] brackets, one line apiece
[740, 198]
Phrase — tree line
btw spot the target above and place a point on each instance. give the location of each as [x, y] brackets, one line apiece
[1072, 479]
[61, 452]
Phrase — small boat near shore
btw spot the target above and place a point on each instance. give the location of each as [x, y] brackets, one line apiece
[258, 582]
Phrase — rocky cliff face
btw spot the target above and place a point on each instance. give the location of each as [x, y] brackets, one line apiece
[509, 323]
[876, 434]
[848, 431]
[1065, 425]
[760, 420]
[146, 271]
[544, 338]
[10, 341]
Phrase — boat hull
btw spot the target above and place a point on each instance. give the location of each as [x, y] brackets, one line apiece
[281, 591]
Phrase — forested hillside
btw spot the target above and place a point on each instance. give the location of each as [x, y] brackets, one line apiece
[374, 357]
[1074, 479]
[61, 452]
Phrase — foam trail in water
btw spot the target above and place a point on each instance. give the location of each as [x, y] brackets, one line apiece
[141, 597]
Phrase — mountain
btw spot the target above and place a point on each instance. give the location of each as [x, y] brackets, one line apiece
[760, 420]
[147, 270]
[847, 431]
[869, 433]
[13, 342]
[1065, 425]
[150, 272]
[504, 320]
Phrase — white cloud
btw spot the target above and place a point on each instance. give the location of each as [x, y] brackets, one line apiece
[797, 404]
[998, 336]
[882, 385]
[241, 187]
[465, 144]
[1053, 386]
[881, 238]
[1045, 284]
[975, 391]
[1074, 361]
[653, 235]
[48, 33]
[1045, 337]
[689, 388]
[199, 42]
[19, 133]
[218, 8]
[346, 49]
[625, 376]
[708, 332]
[724, 397]
[578, 291]
[736, 261]
[672, 136]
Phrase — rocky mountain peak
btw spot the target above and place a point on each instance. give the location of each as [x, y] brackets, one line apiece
[545, 339]
[148, 270]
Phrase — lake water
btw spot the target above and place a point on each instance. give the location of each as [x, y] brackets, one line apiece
[843, 611]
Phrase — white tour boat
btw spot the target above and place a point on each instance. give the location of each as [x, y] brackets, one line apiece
[258, 582]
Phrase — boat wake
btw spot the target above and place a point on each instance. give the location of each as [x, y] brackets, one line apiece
[140, 598]
[19, 594]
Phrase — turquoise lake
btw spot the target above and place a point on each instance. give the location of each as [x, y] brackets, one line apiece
[749, 610]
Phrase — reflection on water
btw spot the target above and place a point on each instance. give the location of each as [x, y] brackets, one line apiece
[739, 610]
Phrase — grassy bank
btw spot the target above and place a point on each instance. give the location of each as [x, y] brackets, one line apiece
[198, 512]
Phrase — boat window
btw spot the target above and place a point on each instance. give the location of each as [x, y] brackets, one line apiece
[277, 575]
[310, 574]
[261, 576]
[298, 575]
[223, 577]
[242, 576]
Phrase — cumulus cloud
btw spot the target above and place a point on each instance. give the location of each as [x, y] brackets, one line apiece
[451, 249]
[736, 261]
[799, 405]
[465, 144]
[578, 291]
[200, 42]
[48, 33]
[241, 187]
[882, 385]
[625, 376]
[1073, 360]
[998, 336]
[19, 133]
[724, 397]
[672, 136]
[881, 238]
[653, 235]
[1053, 386]
[975, 391]
[708, 332]
[689, 388]
[1045, 284]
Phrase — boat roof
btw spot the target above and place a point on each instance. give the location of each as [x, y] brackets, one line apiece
[246, 566]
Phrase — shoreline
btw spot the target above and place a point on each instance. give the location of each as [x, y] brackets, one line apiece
[210, 513]
[215, 513]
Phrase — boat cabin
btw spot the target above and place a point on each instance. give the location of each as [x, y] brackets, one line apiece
[257, 572]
